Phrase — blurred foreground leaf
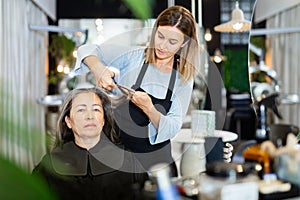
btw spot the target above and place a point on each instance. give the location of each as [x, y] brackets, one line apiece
[140, 8]
[17, 184]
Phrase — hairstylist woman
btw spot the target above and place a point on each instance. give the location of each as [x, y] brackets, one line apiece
[161, 75]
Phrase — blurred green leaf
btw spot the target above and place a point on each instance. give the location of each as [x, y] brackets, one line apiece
[298, 136]
[140, 8]
[17, 184]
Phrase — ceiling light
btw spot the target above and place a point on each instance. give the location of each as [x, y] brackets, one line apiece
[237, 22]
[218, 57]
[207, 35]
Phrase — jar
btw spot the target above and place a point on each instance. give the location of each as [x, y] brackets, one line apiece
[193, 159]
[223, 181]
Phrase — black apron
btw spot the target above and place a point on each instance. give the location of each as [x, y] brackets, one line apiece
[133, 123]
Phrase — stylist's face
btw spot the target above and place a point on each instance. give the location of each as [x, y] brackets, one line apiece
[168, 40]
[86, 116]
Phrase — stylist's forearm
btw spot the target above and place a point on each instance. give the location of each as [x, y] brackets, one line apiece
[153, 115]
[102, 75]
[94, 64]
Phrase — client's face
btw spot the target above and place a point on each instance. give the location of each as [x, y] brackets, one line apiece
[86, 116]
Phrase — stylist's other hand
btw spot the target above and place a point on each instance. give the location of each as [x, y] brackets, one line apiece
[142, 100]
[104, 79]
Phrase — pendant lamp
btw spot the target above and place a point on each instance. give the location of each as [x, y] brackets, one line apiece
[237, 22]
[218, 57]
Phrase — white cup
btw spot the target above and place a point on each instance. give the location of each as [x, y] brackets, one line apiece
[203, 123]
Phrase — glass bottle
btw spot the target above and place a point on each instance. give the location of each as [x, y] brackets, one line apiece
[166, 190]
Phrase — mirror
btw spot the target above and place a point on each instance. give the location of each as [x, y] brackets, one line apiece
[274, 57]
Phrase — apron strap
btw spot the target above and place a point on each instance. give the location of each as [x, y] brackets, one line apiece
[171, 82]
[172, 79]
[140, 76]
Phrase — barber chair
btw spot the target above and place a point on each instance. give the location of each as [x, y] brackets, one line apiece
[240, 117]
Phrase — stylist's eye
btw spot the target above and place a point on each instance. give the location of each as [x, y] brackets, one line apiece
[80, 110]
[160, 36]
[173, 42]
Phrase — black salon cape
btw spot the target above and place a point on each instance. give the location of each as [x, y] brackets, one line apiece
[104, 172]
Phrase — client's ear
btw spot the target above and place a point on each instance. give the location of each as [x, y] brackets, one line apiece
[68, 121]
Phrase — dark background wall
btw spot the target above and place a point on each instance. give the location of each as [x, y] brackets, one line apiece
[76, 9]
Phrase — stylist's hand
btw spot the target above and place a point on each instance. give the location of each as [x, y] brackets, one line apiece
[104, 78]
[102, 73]
[142, 100]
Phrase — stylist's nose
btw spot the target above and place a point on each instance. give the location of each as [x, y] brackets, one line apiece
[163, 44]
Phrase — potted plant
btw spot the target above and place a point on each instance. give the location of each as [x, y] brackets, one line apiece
[61, 49]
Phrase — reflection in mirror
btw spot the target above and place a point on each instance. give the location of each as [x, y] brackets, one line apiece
[240, 117]
[274, 58]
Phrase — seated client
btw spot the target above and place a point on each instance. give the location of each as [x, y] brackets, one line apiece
[88, 162]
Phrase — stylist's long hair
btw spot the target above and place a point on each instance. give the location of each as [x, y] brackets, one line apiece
[65, 134]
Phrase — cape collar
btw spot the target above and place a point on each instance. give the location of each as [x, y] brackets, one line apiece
[71, 159]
